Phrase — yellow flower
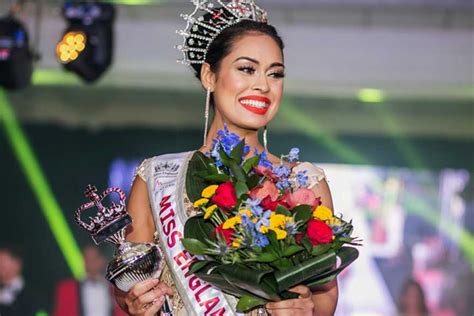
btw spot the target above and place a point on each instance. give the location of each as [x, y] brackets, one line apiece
[200, 202]
[281, 234]
[277, 220]
[209, 191]
[236, 243]
[277, 224]
[323, 213]
[209, 211]
[335, 221]
[231, 222]
[245, 211]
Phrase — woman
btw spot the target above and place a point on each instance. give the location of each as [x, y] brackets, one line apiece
[412, 300]
[241, 66]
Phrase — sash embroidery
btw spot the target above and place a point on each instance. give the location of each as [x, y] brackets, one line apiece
[166, 176]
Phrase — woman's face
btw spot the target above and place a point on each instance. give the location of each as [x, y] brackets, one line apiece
[249, 84]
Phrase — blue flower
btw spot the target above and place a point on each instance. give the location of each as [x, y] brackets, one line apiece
[264, 162]
[227, 141]
[291, 228]
[283, 184]
[254, 206]
[294, 154]
[264, 220]
[302, 178]
[260, 240]
[281, 171]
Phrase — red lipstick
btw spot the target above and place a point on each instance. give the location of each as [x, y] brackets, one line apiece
[256, 104]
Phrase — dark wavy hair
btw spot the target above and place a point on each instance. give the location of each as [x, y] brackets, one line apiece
[421, 302]
[221, 46]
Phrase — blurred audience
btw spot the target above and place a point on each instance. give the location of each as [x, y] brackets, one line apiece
[412, 300]
[17, 298]
[92, 296]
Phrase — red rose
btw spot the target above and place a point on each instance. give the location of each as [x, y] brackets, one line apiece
[283, 202]
[264, 171]
[268, 204]
[262, 191]
[302, 196]
[225, 196]
[299, 238]
[227, 234]
[318, 232]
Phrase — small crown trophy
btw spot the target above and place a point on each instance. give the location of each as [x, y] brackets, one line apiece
[133, 262]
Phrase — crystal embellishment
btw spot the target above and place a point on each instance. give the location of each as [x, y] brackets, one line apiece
[209, 19]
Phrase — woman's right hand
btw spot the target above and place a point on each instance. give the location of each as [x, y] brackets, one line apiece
[147, 297]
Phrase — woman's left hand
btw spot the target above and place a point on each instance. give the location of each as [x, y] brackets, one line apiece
[303, 305]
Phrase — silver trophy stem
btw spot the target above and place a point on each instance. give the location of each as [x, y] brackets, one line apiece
[117, 238]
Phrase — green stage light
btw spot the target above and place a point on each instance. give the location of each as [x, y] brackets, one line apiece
[40, 187]
[459, 235]
[309, 126]
[370, 96]
[56, 77]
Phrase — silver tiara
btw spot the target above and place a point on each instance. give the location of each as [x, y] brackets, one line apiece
[208, 20]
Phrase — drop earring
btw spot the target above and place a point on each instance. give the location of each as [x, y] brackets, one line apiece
[206, 115]
[265, 141]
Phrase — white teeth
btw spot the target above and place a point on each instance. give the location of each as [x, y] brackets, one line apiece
[254, 103]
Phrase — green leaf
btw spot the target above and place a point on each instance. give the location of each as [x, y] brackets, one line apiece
[248, 302]
[241, 188]
[282, 264]
[226, 160]
[210, 274]
[194, 246]
[258, 282]
[238, 151]
[307, 244]
[320, 249]
[266, 257]
[238, 172]
[199, 164]
[274, 244]
[304, 271]
[347, 255]
[253, 180]
[337, 244]
[280, 209]
[291, 250]
[250, 163]
[197, 227]
[219, 178]
[346, 239]
[302, 213]
[198, 265]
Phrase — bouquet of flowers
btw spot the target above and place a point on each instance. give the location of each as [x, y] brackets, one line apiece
[260, 230]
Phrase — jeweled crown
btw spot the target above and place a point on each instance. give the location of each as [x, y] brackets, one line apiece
[208, 20]
[108, 220]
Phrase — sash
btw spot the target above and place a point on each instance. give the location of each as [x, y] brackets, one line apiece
[166, 177]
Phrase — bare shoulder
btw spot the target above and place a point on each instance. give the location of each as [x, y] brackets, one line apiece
[317, 182]
[143, 227]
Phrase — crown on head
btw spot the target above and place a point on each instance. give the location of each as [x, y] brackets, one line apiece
[107, 217]
[208, 20]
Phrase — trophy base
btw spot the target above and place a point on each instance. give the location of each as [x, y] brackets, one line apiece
[134, 263]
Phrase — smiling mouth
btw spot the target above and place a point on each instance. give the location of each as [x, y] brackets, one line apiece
[257, 105]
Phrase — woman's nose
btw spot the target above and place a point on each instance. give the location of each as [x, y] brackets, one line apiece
[261, 84]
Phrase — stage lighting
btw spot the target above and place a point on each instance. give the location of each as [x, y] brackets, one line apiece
[16, 58]
[86, 46]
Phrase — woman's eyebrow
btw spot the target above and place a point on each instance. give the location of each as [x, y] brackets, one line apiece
[276, 64]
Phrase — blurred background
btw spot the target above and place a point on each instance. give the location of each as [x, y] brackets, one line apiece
[378, 92]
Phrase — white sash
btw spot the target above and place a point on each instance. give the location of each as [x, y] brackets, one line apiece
[166, 177]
